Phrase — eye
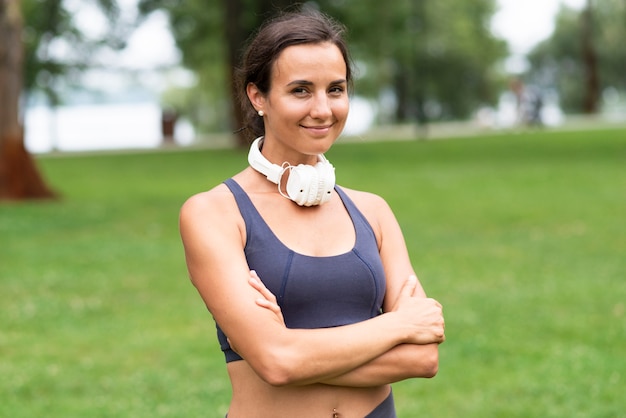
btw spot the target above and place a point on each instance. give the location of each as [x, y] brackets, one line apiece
[299, 91]
[336, 90]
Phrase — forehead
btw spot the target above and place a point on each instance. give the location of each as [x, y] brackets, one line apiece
[310, 62]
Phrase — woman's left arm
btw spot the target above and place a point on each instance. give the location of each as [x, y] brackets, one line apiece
[407, 360]
[403, 361]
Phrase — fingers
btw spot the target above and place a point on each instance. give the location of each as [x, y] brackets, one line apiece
[426, 315]
[408, 289]
[258, 285]
[264, 303]
[230, 343]
[438, 324]
[268, 300]
[440, 330]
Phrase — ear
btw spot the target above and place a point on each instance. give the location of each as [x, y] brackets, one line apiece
[255, 96]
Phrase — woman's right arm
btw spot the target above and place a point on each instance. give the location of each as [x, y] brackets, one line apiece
[401, 362]
[213, 235]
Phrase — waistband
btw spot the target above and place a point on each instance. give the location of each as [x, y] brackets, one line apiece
[386, 409]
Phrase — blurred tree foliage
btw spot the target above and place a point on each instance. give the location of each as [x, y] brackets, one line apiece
[211, 36]
[50, 25]
[199, 31]
[586, 48]
[30, 30]
[435, 59]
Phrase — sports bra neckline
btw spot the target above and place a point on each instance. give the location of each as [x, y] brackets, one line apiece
[254, 212]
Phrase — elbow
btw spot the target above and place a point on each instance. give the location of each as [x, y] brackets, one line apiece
[425, 361]
[430, 365]
[276, 369]
[277, 377]
[431, 371]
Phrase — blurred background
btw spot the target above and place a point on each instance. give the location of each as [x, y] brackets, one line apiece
[121, 109]
[110, 74]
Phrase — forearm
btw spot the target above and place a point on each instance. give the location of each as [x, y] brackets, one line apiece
[401, 362]
[304, 356]
[301, 357]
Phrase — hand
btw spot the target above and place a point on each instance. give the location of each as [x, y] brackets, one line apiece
[268, 300]
[424, 315]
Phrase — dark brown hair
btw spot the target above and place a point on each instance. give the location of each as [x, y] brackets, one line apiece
[307, 26]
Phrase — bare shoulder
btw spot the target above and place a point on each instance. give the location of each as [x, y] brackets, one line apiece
[368, 203]
[215, 209]
[373, 207]
[218, 199]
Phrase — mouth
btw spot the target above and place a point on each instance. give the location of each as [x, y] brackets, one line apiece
[317, 128]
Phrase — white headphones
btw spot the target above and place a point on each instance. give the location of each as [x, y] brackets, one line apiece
[307, 185]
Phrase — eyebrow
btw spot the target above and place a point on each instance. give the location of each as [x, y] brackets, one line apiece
[310, 83]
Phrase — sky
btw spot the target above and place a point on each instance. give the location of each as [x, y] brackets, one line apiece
[524, 23]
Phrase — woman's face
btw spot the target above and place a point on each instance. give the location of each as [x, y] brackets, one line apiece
[307, 105]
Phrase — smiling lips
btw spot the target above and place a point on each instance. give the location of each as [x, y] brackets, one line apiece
[322, 128]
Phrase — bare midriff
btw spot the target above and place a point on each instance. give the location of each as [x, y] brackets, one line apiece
[254, 397]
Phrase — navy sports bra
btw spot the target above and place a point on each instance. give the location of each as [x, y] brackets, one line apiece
[313, 292]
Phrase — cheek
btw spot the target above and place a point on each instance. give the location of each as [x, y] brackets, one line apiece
[296, 109]
[341, 108]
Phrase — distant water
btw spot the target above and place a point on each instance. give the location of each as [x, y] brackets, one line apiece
[98, 127]
[127, 126]
[138, 125]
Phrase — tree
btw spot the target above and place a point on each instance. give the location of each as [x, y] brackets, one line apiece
[212, 36]
[585, 45]
[19, 177]
[438, 57]
[49, 24]
[590, 61]
[26, 65]
[238, 30]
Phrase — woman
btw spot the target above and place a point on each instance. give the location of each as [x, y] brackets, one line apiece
[317, 305]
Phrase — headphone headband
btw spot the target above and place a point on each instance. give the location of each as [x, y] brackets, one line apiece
[261, 164]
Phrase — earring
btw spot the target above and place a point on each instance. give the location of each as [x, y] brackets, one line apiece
[261, 113]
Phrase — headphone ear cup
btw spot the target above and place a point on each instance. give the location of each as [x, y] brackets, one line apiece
[302, 184]
[311, 185]
[326, 175]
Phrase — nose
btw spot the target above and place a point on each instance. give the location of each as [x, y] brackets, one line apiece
[321, 106]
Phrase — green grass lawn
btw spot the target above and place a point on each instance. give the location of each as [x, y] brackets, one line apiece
[521, 237]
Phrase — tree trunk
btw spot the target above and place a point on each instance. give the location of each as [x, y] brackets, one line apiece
[237, 34]
[19, 177]
[403, 96]
[590, 62]
[235, 38]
